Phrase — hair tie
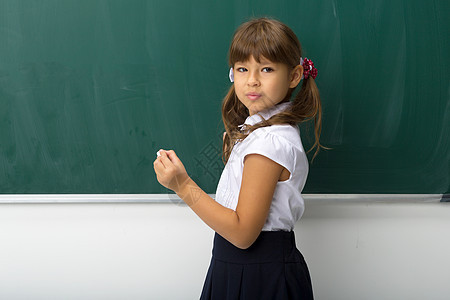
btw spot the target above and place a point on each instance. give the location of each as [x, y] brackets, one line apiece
[231, 75]
[308, 68]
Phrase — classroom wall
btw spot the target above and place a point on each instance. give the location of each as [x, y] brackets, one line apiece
[161, 251]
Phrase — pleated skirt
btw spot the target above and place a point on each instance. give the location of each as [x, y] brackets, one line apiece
[271, 268]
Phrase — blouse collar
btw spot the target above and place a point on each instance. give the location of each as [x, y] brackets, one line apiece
[266, 114]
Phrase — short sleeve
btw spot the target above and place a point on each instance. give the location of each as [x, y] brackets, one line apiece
[264, 142]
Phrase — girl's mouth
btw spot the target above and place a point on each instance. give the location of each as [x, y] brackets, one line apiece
[253, 96]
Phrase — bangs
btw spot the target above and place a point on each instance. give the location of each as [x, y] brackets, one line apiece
[264, 39]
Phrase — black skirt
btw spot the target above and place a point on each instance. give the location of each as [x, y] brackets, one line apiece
[271, 268]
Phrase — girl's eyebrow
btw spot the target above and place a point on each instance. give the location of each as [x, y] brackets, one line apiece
[261, 62]
[265, 61]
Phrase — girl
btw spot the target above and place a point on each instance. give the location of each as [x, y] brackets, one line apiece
[258, 198]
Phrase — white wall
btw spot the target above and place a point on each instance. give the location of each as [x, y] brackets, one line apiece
[378, 251]
[161, 251]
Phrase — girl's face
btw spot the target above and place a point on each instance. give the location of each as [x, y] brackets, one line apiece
[265, 84]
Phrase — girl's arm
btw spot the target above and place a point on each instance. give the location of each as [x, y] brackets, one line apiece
[240, 227]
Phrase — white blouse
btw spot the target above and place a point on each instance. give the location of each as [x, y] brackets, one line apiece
[282, 144]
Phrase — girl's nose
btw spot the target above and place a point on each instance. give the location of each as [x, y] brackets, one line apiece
[253, 79]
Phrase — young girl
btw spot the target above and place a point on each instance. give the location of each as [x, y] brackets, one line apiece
[258, 198]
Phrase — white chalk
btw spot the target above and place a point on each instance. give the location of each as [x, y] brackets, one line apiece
[158, 154]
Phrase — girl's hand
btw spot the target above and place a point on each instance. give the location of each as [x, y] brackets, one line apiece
[170, 171]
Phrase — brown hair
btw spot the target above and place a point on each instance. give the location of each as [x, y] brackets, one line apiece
[276, 42]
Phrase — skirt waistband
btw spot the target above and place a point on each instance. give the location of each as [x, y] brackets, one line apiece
[270, 246]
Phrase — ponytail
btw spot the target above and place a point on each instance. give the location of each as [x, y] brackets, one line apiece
[307, 106]
[234, 113]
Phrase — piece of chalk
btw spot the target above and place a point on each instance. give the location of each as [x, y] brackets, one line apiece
[158, 154]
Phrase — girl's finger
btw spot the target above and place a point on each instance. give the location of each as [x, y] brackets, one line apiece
[163, 158]
[173, 157]
[158, 166]
[159, 159]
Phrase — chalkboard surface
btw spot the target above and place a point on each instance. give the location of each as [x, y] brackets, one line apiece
[90, 90]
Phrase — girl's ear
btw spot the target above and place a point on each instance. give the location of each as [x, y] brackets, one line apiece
[296, 76]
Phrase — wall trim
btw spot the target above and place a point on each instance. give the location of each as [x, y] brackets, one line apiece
[174, 199]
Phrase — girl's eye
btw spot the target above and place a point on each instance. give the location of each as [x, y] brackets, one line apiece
[267, 70]
[241, 69]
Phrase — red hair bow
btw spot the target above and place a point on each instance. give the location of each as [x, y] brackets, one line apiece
[308, 69]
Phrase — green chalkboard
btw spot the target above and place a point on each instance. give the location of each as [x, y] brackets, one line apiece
[90, 90]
